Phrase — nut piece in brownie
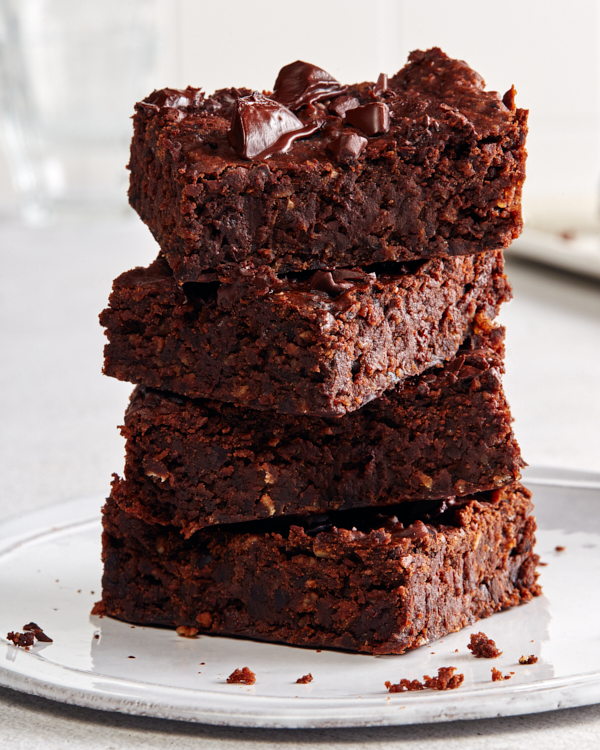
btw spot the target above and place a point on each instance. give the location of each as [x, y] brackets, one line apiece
[376, 581]
[323, 343]
[195, 463]
[425, 164]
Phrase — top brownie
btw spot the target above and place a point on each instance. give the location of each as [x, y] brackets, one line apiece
[425, 164]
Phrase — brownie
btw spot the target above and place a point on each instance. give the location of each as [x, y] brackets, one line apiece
[321, 344]
[380, 581]
[195, 463]
[425, 164]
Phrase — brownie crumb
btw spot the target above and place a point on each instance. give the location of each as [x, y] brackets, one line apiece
[31, 633]
[483, 647]
[186, 632]
[497, 675]
[304, 680]
[39, 634]
[404, 686]
[244, 676]
[531, 659]
[445, 680]
[22, 640]
[560, 548]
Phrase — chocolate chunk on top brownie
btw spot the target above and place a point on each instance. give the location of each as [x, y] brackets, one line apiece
[322, 343]
[425, 164]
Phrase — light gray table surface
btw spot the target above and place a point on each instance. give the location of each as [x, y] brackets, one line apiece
[58, 441]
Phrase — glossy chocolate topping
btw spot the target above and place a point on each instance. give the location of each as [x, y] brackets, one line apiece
[347, 146]
[284, 143]
[262, 127]
[175, 98]
[371, 119]
[301, 83]
[258, 123]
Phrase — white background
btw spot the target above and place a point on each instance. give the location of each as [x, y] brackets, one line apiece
[549, 49]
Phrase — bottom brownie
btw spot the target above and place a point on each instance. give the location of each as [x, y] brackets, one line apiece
[380, 581]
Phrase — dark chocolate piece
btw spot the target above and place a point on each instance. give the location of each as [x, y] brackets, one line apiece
[372, 119]
[347, 146]
[261, 127]
[342, 104]
[359, 587]
[382, 85]
[301, 83]
[174, 98]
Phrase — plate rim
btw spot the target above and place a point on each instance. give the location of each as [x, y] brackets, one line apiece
[61, 683]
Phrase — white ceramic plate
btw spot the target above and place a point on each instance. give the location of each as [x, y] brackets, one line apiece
[50, 573]
[579, 254]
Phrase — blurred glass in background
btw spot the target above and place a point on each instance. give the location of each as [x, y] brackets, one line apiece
[71, 70]
[69, 73]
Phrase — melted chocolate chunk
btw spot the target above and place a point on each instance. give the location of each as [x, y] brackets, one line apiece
[347, 146]
[262, 127]
[283, 144]
[301, 83]
[257, 124]
[174, 98]
[323, 281]
[371, 119]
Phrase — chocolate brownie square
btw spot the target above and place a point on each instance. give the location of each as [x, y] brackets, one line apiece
[195, 463]
[425, 164]
[321, 344]
[375, 581]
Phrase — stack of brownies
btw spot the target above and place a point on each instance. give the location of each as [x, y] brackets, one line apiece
[319, 450]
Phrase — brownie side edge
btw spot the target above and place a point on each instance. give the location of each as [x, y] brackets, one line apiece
[195, 463]
[384, 590]
[295, 346]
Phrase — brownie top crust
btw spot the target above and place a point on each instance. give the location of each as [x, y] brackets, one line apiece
[433, 98]
[317, 174]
